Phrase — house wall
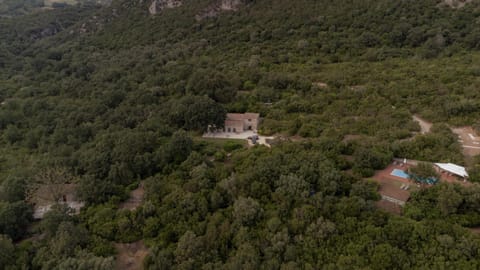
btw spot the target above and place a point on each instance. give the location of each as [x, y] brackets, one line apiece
[237, 126]
[253, 123]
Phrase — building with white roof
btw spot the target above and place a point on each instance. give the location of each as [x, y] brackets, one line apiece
[454, 169]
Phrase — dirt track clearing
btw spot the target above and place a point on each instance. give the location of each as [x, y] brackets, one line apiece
[469, 141]
[456, 3]
[262, 140]
[136, 198]
[424, 125]
[130, 256]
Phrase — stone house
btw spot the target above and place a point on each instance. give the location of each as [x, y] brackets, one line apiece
[240, 122]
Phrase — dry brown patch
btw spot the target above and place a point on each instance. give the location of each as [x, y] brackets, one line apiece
[456, 3]
[425, 126]
[469, 140]
[130, 256]
[320, 84]
[475, 230]
[136, 198]
[52, 193]
[351, 137]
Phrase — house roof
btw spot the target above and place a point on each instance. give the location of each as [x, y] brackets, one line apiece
[242, 116]
[45, 194]
[453, 168]
[252, 115]
[235, 116]
[394, 192]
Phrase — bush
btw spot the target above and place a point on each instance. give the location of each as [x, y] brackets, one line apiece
[424, 170]
[231, 146]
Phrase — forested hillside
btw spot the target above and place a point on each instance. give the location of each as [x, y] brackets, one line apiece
[105, 97]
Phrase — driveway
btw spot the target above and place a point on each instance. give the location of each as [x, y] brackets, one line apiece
[239, 136]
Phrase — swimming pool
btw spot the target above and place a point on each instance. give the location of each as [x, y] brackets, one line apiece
[399, 173]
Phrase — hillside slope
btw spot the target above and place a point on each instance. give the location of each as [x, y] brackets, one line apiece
[103, 98]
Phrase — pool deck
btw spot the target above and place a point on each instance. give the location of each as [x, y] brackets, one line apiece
[393, 197]
[390, 185]
[386, 173]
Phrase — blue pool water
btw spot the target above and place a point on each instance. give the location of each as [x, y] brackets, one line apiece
[399, 173]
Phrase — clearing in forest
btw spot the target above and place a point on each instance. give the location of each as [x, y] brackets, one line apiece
[469, 140]
[396, 185]
[45, 196]
[425, 126]
[246, 135]
[456, 3]
[130, 255]
[391, 185]
[136, 198]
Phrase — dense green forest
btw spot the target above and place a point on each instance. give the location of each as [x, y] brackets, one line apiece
[106, 97]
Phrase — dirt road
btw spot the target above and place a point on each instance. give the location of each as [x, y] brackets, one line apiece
[425, 126]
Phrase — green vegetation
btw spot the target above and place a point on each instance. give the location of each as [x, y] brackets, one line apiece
[424, 170]
[107, 97]
[16, 7]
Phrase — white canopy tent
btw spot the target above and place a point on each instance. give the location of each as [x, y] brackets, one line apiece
[453, 168]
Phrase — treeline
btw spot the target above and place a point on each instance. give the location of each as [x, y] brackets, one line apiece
[122, 98]
[289, 207]
[19, 7]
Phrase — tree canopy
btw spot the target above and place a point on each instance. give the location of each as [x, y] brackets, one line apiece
[113, 99]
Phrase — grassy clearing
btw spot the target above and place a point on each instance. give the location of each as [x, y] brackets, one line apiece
[219, 142]
[212, 146]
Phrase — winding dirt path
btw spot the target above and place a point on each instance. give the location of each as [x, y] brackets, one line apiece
[425, 126]
[136, 198]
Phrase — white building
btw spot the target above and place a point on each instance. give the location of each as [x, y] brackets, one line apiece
[453, 169]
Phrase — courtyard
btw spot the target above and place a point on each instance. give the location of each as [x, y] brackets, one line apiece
[245, 135]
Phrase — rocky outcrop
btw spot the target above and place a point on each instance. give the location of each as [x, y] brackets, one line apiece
[158, 5]
[221, 6]
[456, 3]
